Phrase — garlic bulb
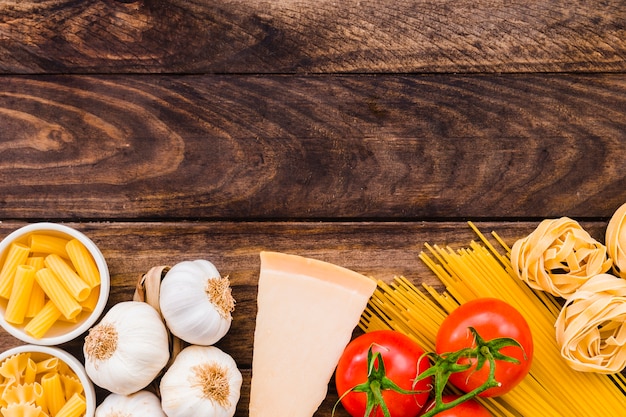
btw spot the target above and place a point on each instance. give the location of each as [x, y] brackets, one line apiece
[139, 404]
[127, 349]
[196, 302]
[203, 381]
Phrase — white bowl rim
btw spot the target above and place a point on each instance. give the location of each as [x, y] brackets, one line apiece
[70, 360]
[104, 285]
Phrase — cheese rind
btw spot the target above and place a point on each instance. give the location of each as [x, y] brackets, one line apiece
[307, 311]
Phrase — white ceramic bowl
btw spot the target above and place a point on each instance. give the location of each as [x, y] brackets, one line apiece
[43, 352]
[61, 332]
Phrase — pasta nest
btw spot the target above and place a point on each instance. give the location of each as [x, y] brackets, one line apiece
[616, 240]
[591, 328]
[558, 257]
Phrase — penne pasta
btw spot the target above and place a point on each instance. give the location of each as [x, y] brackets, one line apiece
[73, 283]
[42, 243]
[74, 407]
[83, 262]
[53, 392]
[30, 372]
[62, 299]
[17, 255]
[47, 365]
[37, 296]
[36, 301]
[20, 294]
[41, 403]
[35, 261]
[43, 321]
[89, 304]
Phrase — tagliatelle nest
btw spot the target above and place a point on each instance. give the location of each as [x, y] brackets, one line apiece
[558, 257]
[616, 240]
[591, 327]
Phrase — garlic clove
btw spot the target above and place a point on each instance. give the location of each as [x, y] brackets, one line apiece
[139, 404]
[127, 349]
[196, 302]
[203, 381]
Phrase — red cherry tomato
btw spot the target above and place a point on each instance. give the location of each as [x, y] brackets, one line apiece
[492, 318]
[470, 408]
[401, 357]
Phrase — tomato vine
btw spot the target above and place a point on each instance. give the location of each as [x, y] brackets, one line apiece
[446, 364]
[481, 353]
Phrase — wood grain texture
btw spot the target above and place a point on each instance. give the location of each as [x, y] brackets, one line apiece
[348, 131]
[289, 36]
[312, 147]
[380, 250]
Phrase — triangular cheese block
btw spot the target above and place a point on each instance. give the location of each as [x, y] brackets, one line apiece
[307, 312]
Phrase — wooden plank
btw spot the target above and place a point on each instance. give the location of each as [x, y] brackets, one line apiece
[325, 36]
[380, 250]
[312, 147]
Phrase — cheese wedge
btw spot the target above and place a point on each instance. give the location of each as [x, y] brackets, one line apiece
[307, 312]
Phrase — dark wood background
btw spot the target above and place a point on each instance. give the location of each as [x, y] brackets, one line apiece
[349, 131]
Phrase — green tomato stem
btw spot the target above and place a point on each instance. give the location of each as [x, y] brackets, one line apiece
[377, 382]
[447, 363]
[443, 366]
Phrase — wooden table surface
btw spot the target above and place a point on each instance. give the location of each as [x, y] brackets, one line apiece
[348, 131]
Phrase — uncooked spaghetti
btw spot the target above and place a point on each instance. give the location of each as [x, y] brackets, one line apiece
[552, 388]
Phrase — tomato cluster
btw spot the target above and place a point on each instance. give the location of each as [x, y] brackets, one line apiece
[482, 325]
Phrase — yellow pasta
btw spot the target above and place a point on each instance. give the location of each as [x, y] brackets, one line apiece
[17, 255]
[73, 320]
[22, 410]
[41, 403]
[74, 407]
[48, 365]
[53, 392]
[37, 296]
[30, 372]
[43, 321]
[36, 302]
[590, 329]
[68, 277]
[3, 388]
[552, 388]
[65, 273]
[23, 393]
[71, 384]
[12, 368]
[20, 294]
[51, 285]
[83, 262]
[36, 262]
[615, 240]
[43, 243]
[558, 257]
[89, 304]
